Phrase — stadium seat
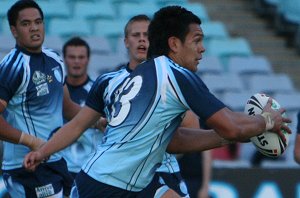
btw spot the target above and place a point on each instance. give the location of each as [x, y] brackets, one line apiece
[69, 27]
[236, 101]
[125, 1]
[270, 84]
[249, 65]
[290, 10]
[210, 65]
[287, 17]
[214, 30]
[219, 84]
[94, 10]
[128, 10]
[98, 44]
[224, 48]
[109, 28]
[290, 101]
[266, 7]
[55, 9]
[162, 3]
[199, 10]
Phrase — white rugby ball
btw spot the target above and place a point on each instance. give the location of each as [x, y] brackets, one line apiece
[268, 143]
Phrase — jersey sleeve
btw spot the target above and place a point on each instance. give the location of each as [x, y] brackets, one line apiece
[95, 97]
[11, 74]
[196, 94]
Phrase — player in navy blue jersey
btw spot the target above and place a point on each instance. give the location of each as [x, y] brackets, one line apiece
[144, 111]
[32, 101]
[297, 141]
[76, 54]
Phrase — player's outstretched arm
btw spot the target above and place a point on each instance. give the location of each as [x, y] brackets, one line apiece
[236, 126]
[190, 138]
[186, 140]
[63, 137]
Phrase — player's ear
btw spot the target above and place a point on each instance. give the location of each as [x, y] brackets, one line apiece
[126, 42]
[173, 43]
[13, 31]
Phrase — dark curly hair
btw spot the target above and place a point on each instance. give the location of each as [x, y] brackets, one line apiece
[167, 22]
[13, 12]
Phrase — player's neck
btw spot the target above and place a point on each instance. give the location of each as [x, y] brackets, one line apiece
[132, 64]
[76, 81]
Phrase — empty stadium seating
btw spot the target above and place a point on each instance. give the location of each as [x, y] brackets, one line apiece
[271, 84]
[222, 83]
[249, 65]
[225, 48]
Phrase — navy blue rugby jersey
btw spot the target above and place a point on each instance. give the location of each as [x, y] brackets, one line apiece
[32, 86]
[143, 112]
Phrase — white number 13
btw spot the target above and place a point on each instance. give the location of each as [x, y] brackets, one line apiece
[122, 104]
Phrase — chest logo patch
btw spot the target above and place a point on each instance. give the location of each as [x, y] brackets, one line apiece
[38, 78]
[40, 81]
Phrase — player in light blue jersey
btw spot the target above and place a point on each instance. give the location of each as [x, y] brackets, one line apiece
[76, 54]
[32, 100]
[144, 111]
[167, 175]
[297, 141]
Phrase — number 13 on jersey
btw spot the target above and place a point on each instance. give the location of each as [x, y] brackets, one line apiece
[121, 107]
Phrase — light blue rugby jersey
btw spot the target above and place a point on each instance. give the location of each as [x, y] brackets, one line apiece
[169, 163]
[32, 85]
[143, 112]
[78, 152]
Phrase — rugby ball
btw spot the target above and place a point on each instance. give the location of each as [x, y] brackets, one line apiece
[267, 143]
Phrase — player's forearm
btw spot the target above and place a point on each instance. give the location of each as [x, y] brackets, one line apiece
[252, 126]
[187, 140]
[9, 133]
[15, 136]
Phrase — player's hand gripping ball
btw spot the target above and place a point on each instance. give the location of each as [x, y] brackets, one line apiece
[267, 143]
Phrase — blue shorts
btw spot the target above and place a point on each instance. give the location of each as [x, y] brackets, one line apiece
[87, 187]
[174, 181]
[49, 179]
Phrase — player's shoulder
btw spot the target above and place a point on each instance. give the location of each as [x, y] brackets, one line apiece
[14, 59]
[50, 51]
[109, 75]
[52, 54]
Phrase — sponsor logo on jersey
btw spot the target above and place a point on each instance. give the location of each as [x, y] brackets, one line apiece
[38, 78]
[40, 81]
